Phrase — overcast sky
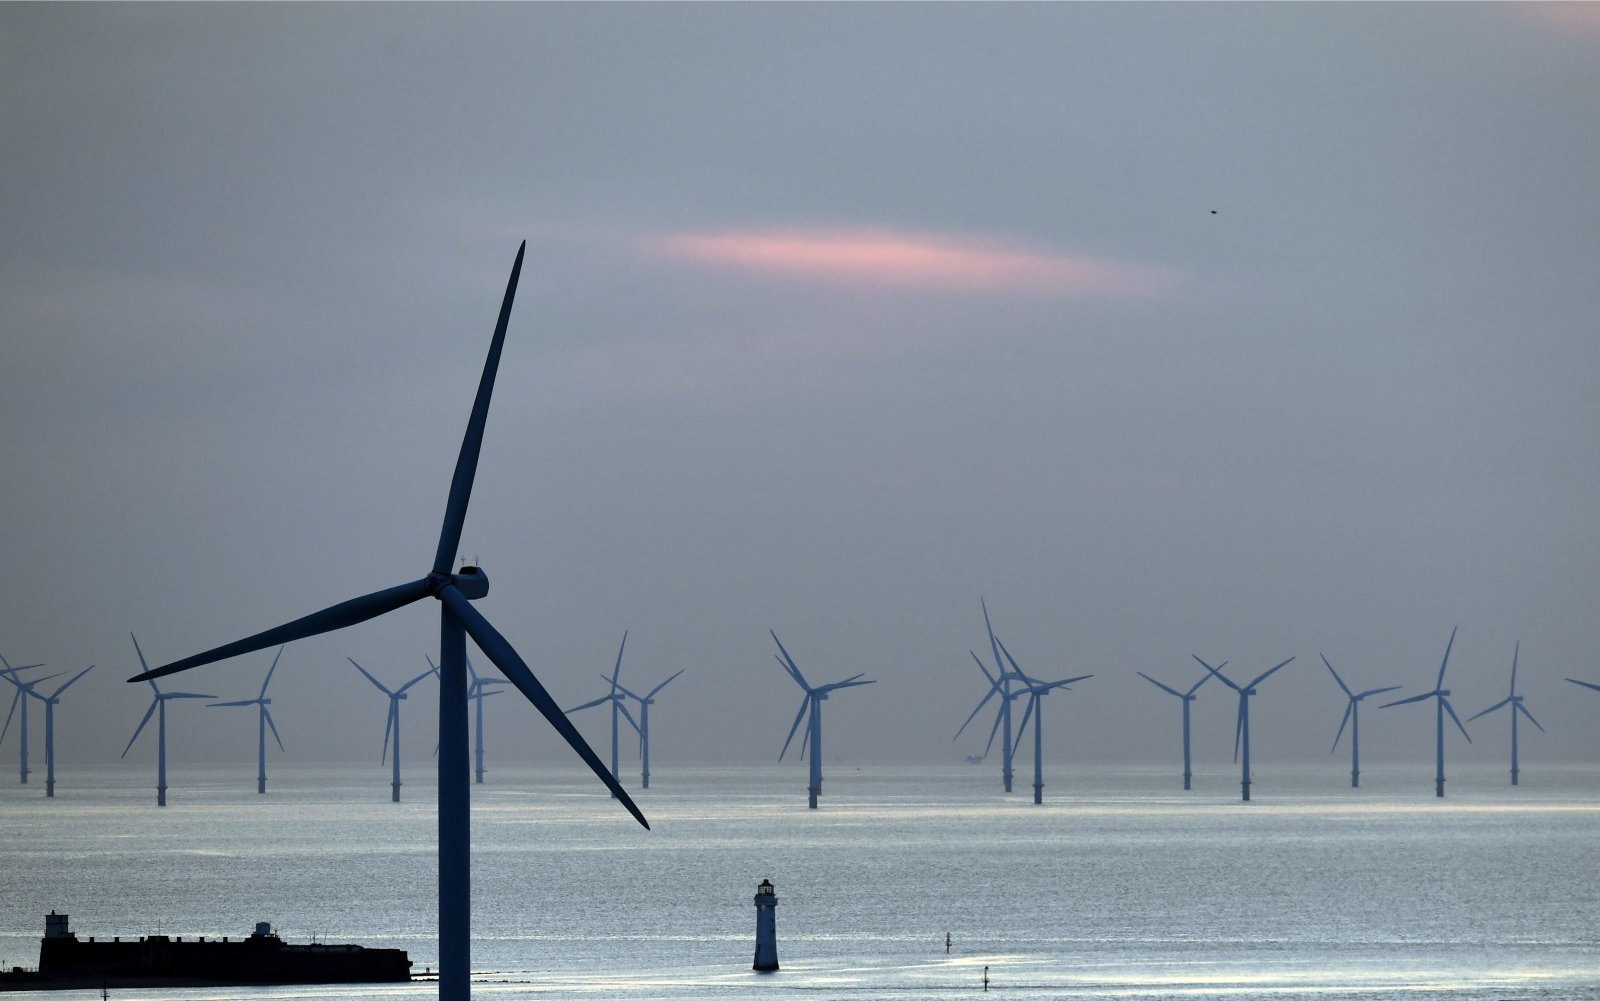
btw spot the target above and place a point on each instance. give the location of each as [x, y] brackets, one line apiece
[1241, 331]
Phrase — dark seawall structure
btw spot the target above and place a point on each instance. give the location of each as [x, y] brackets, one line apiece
[66, 962]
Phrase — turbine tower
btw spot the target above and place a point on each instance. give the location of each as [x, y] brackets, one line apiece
[615, 697]
[24, 689]
[1515, 702]
[645, 701]
[158, 706]
[392, 724]
[813, 702]
[50, 730]
[1001, 683]
[1352, 716]
[1241, 728]
[263, 720]
[1036, 691]
[455, 592]
[1187, 697]
[1442, 695]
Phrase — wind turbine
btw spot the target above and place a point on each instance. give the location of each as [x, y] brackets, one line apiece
[50, 730]
[263, 720]
[645, 701]
[1036, 691]
[813, 701]
[158, 706]
[1352, 715]
[1442, 694]
[477, 690]
[455, 593]
[24, 689]
[1000, 683]
[615, 697]
[1515, 702]
[392, 725]
[1241, 729]
[1187, 698]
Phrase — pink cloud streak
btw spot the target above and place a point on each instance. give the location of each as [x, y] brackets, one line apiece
[885, 258]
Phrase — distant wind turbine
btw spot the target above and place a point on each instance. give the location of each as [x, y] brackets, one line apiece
[615, 697]
[392, 725]
[263, 721]
[812, 702]
[1187, 697]
[158, 706]
[1515, 702]
[1352, 716]
[1241, 727]
[1036, 691]
[24, 690]
[455, 592]
[1001, 683]
[1442, 695]
[50, 731]
[477, 690]
[645, 702]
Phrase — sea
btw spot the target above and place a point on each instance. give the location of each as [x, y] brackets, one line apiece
[1121, 885]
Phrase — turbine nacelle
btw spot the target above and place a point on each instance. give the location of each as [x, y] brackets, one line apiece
[471, 581]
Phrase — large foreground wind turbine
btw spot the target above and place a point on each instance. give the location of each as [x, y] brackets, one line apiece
[813, 702]
[455, 593]
[615, 697]
[1352, 716]
[1515, 702]
[1187, 697]
[392, 723]
[1442, 695]
[1241, 727]
[50, 730]
[24, 691]
[263, 720]
[158, 706]
[645, 702]
[1036, 691]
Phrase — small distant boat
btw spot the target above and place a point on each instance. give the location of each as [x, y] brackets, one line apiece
[974, 759]
[68, 963]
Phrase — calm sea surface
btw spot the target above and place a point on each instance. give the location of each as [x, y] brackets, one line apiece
[1121, 886]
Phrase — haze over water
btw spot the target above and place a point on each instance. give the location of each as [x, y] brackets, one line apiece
[1121, 885]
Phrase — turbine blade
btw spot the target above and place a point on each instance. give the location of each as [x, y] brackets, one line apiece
[1027, 714]
[1263, 677]
[495, 647]
[589, 705]
[1449, 709]
[1336, 677]
[1585, 684]
[629, 717]
[789, 663]
[455, 510]
[1164, 688]
[1514, 652]
[388, 723]
[1238, 727]
[1349, 707]
[624, 690]
[992, 679]
[806, 736]
[1497, 705]
[617, 671]
[267, 713]
[1204, 678]
[185, 695]
[1377, 691]
[431, 672]
[228, 705]
[797, 717]
[140, 728]
[1220, 676]
[1524, 710]
[268, 679]
[994, 644]
[998, 716]
[1414, 698]
[370, 678]
[57, 693]
[1445, 663]
[14, 700]
[664, 684]
[346, 613]
[979, 708]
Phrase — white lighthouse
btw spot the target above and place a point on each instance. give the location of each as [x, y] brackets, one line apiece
[766, 928]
